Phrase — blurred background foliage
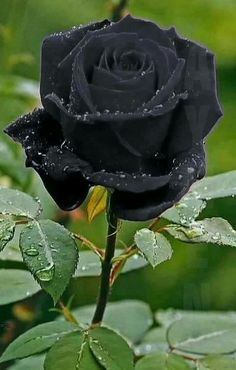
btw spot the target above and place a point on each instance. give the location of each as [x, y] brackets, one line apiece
[197, 277]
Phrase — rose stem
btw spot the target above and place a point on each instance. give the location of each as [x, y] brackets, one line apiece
[118, 10]
[104, 289]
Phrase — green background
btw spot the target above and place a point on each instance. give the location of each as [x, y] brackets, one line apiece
[197, 277]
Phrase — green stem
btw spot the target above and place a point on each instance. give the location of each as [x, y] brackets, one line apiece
[67, 313]
[118, 10]
[104, 289]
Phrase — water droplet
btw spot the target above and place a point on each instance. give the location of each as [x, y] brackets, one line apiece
[46, 274]
[32, 252]
[190, 170]
[181, 205]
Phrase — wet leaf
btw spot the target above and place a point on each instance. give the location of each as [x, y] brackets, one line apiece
[135, 262]
[185, 212]
[7, 229]
[153, 341]
[14, 202]
[97, 202]
[10, 165]
[34, 362]
[135, 317]
[37, 339]
[162, 361]
[218, 186]
[167, 317]
[110, 350]
[16, 285]
[51, 255]
[213, 230]
[71, 353]
[11, 253]
[203, 335]
[154, 246]
[217, 363]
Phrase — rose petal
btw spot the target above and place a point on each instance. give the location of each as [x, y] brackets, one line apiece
[68, 189]
[135, 59]
[118, 145]
[202, 109]
[92, 118]
[122, 181]
[104, 152]
[39, 133]
[104, 77]
[113, 80]
[71, 167]
[172, 87]
[144, 29]
[54, 49]
[36, 132]
[186, 169]
[164, 59]
[118, 100]
[89, 56]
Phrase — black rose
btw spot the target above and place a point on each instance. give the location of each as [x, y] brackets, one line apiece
[125, 105]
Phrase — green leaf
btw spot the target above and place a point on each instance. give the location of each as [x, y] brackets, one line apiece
[7, 229]
[110, 349]
[135, 317]
[185, 212]
[217, 363]
[34, 362]
[10, 165]
[14, 202]
[90, 264]
[167, 317]
[219, 186]
[97, 202]
[11, 253]
[135, 262]
[71, 353]
[162, 361]
[16, 285]
[203, 335]
[154, 246]
[51, 254]
[210, 230]
[37, 339]
[153, 341]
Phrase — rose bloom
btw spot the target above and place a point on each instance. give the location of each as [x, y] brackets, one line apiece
[126, 105]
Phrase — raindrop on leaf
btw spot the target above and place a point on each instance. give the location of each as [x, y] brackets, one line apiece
[46, 274]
